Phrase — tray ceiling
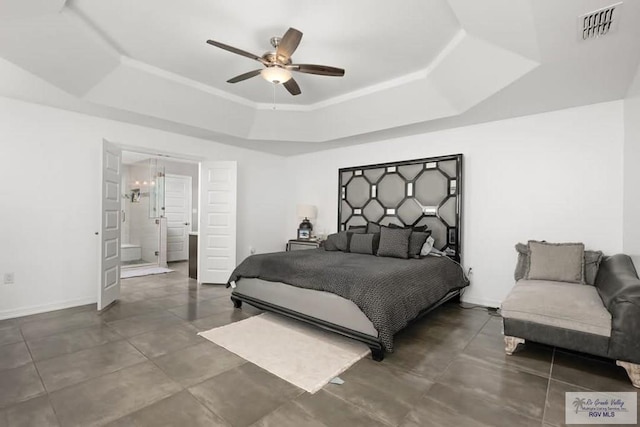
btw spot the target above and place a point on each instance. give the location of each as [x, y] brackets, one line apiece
[409, 65]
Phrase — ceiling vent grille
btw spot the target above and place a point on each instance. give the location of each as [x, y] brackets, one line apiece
[599, 22]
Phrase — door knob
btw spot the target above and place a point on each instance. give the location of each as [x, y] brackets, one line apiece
[186, 223]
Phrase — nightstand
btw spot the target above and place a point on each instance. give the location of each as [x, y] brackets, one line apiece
[297, 245]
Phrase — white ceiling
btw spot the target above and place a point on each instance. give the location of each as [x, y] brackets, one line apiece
[411, 66]
[171, 35]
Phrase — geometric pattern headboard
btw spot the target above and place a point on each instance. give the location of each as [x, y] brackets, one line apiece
[408, 193]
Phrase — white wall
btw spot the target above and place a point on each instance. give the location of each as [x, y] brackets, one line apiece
[50, 193]
[554, 176]
[632, 171]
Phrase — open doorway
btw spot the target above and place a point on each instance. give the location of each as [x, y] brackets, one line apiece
[158, 211]
[213, 205]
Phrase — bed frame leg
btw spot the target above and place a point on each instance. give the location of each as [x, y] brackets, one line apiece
[377, 354]
[236, 302]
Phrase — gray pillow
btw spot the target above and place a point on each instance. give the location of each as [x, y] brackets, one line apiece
[420, 228]
[416, 241]
[373, 227]
[358, 230]
[394, 242]
[364, 243]
[330, 244]
[592, 260]
[561, 262]
[338, 241]
[523, 261]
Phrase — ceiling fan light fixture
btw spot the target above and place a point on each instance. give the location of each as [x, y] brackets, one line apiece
[276, 74]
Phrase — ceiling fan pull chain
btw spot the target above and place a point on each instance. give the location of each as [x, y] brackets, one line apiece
[274, 95]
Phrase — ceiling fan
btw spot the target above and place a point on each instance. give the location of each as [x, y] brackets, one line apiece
[278, 63]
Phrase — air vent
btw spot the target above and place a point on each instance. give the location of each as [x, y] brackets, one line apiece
[599, 22]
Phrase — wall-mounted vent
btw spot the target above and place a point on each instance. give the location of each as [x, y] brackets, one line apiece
[599, 22]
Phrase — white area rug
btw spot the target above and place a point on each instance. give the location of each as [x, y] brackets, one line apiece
[144, 271]
[303, 355]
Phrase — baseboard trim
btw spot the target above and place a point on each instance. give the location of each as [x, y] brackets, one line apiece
[481, 301]
[37, 309]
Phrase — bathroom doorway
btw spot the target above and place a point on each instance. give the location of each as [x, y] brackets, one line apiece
[142, 206]
[158, 210]
[212, 240]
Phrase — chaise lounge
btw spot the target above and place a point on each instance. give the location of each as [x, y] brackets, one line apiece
[602, 320]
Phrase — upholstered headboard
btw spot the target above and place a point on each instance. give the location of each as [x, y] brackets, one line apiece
[413, 192]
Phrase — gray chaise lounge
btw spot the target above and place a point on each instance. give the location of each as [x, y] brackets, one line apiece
[603, 320]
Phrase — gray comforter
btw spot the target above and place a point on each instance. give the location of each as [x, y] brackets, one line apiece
[390, 291]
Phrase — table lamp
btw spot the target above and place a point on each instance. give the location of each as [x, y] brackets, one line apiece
[306, 212]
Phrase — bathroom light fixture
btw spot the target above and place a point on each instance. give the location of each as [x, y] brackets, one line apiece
[276, 74]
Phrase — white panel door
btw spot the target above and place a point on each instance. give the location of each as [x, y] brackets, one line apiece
[110, 240]
[177, 210]
[217, 231]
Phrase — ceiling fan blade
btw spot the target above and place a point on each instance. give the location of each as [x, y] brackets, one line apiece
[288, 44]
[235, 50]
[322, 70]
[292, 87]
[244, 76]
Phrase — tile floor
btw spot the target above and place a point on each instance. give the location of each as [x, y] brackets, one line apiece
[141, 364]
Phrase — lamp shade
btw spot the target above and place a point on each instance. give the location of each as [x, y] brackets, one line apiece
[307, 211]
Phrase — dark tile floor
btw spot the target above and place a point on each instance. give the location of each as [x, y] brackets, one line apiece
[141, 363]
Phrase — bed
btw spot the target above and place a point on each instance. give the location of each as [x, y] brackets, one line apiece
[367, 297]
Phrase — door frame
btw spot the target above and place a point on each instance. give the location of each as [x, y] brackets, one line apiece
[136, 149]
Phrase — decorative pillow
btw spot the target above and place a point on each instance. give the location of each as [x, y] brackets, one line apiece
[523, 261]
[330, 242]
[373, 227]
[364, 243]
[416, 241]
[353, 228]
[561, 262]
[418, 228]
[592, 260]
[394, 242]
[338, 241]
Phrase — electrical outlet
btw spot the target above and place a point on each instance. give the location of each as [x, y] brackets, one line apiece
[9, 278]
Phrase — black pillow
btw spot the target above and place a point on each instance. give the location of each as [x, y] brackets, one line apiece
[394, 242]
[416, 241]
[364, 243]
[418, 228]
[373, 227]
